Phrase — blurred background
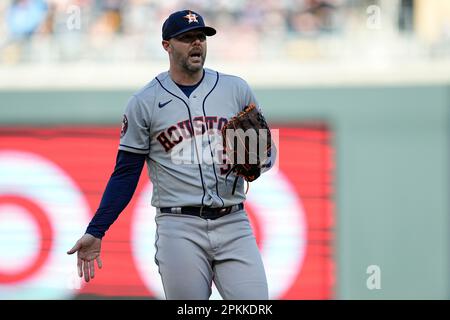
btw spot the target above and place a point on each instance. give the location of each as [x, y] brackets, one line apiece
[357, 91]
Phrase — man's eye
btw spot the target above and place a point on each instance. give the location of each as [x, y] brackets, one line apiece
[190, 38]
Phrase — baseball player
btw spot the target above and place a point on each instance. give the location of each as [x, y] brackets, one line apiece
[203, 232]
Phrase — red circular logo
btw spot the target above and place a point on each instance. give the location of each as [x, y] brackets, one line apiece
[45, 235]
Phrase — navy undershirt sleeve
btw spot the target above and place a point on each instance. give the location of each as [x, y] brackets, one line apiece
[118, 192]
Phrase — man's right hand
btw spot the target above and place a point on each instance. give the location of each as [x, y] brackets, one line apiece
[88, 249]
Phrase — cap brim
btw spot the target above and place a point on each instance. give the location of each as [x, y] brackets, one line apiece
[207, 30]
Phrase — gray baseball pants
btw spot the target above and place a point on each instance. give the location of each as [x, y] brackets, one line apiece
[191, 252]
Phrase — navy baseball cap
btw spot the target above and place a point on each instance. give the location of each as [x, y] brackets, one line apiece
[183, 21]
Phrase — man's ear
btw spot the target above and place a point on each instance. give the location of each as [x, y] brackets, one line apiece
[166, 45]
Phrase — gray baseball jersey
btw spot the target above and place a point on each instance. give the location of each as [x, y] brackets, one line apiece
[179, 136]
[182, 162]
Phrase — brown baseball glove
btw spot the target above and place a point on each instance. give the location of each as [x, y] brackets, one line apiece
[247, 144]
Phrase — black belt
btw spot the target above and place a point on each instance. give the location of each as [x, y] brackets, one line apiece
[204, 212]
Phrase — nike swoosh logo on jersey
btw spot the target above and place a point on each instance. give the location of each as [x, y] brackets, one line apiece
[161, 105]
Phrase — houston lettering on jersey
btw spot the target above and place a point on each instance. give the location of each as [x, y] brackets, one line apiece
[173, 135]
